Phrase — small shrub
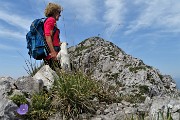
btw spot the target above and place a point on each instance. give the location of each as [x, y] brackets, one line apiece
[135, 69]
[137, 98]
[150, 78]
[143, 89]
[41, 107]
[150, 67]
[19, 99]
[112, 54]
[128, 98]
[167, 86]
[119, 84]
[115, 75]
[160, 76]
[112, 76]
[127, 65]
[108, 96]
[78, 49]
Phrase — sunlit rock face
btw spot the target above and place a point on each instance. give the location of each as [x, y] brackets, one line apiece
[7, 107]
[106, 62]
[124, 75]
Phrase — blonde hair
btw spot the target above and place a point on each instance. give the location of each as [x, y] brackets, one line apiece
[52, 9]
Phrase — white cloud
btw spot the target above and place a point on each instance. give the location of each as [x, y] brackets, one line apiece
[5, 33]
[157, 14]
[84, 10]
[17, 27]
[15, 20]
[7, 47]
[114, 14]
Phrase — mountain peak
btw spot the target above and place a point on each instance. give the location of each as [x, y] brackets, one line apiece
[104, 61]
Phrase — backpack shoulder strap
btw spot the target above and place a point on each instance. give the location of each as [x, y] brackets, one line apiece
[54, 30]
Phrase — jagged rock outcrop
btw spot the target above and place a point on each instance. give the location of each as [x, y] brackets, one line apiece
[7, 107]
[28, 85]
[47, 75]
[104, 61]
[122, 75]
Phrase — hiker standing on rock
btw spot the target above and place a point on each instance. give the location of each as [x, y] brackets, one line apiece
[51, 32]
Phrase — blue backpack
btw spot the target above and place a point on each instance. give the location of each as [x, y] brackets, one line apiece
[36, 43]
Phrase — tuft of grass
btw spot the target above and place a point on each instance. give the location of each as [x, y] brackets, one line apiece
[41, 106]
[162, 116]
[32, 67]
[19, 99]
[74, 94]
[142, 115]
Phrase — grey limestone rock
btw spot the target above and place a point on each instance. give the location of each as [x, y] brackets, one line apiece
[103, 61]
[7, 107]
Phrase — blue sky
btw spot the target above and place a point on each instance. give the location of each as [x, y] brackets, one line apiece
[146, 29]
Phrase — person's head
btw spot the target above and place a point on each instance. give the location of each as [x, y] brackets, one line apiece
[53, 10]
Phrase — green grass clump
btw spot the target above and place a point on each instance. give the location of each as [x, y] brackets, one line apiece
[81, 48]
[19, 99]
[135, 69]
[143, 89]
[74, 94]
[137, 98]
[41, 107]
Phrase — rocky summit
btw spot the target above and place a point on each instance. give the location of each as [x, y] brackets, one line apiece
[104, 61]
[142, 89]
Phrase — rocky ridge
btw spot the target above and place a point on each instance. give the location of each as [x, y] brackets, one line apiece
[145, 91]
[141, 86]
[106, 62]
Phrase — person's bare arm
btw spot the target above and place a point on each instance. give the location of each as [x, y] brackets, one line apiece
[49, 40]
